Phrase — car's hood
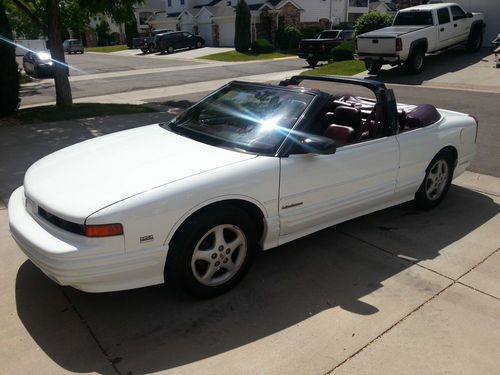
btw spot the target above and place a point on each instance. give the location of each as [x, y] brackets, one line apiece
[79, 180]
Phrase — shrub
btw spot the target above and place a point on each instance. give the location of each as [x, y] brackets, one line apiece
[371, 21]
[262, 46]
[343, 51]
[9, 76]
[242, 37]
[288, 38]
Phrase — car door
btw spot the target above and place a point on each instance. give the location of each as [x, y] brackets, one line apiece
[187, 40]
[460, 24]
[446, 29]
[317, 191]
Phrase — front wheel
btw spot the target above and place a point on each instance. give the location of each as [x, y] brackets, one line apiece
[211, 252]
[170, 49]
[198, 44]
[373, 68]
[312, 62]
[475, 42]
[437, 181]
[415, 62]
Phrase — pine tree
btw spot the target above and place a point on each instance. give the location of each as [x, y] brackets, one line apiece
[9, 76]
[242, 37]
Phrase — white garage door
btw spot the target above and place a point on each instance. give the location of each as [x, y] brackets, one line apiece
[205, 30]
[187, 27]
[226, 33]
[490, 9]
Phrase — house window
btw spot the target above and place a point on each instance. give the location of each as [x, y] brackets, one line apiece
[169, 3]
[182, 2]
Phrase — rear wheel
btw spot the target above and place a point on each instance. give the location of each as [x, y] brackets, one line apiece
[312, 62]
[415, 62]
[475, 41]
[373, 68]
[211, 252]
[437, 181]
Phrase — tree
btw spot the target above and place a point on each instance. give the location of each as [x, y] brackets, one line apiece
[9, 76]
[242, 37]
[76, 14]
[371, 21]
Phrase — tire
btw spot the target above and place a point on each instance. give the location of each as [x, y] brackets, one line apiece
[199, 44]
[151, 48]
[211, 252]
[475, 42]
[144, 50]
[415, 62]
[312, 62]
[170, 49]
[437, 181]
[373, 68]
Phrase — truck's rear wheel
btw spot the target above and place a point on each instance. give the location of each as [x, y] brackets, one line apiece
[415, 62]
[312, 62]
[372, 67]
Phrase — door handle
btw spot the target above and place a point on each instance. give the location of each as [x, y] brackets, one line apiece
[442, 29]
[455, 25]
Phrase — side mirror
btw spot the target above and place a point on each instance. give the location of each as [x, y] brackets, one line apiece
[316, 144]
[469, 15]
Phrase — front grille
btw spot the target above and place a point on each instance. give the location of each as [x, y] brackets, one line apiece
[61, 223]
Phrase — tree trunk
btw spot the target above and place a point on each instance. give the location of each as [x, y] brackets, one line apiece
[63, 88]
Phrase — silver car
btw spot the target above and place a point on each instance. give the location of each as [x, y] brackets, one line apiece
[73, 46]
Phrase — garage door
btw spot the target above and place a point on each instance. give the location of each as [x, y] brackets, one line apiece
[187, 27]
[491, 16]
[226, 33]
[205, 30]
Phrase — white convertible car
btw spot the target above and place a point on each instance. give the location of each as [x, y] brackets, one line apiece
[251, 166]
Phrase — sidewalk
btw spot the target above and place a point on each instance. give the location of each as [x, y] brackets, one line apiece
[397, 291]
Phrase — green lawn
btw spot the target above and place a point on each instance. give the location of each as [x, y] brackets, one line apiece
[24, 78]
[339, 68]
[247, 56]
[107, 49]
[82, 110]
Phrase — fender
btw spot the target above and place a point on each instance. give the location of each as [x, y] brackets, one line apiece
[220, 199]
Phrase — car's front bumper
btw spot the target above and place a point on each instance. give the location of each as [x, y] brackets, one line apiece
[88, 264]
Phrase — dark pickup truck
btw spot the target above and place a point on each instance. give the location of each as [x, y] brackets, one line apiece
[147, 43]
[320, 48]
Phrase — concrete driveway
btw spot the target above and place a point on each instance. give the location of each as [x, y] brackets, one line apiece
[398, 291]
[187, 54]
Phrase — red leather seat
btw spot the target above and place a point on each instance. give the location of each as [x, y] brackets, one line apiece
[347, 116]
[342, 135]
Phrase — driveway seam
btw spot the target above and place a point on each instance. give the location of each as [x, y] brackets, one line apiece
[111, 361]
[391, 327]
[478, 290]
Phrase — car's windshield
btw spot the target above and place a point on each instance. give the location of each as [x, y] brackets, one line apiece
[251, 118]
[413, 18]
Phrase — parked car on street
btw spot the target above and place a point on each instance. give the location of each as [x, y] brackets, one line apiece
[320, 48]
[417, 31]
[251, 166]
[495, 43]
[39, 64]
[169, 42]
[73, 46]
[147, 44]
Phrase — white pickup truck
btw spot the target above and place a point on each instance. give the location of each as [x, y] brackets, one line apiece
[417, 31]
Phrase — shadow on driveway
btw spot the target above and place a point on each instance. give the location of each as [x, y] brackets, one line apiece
[436, 65]
[150, 329]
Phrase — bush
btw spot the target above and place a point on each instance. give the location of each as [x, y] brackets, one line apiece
[9, 76]
[371, 21]
[262, 46]
[343, 51]
[288, 38]
[242, 37]
[311, 32]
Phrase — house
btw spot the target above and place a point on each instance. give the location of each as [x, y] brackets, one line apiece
[383, 7]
